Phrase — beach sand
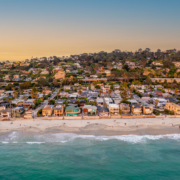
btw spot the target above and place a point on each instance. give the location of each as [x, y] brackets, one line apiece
[151, 126]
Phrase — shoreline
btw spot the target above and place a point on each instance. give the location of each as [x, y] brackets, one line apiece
[109, 127]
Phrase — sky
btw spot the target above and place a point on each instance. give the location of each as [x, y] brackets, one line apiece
[36, 28]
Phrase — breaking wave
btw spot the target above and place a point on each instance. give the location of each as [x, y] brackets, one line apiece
[17, 137]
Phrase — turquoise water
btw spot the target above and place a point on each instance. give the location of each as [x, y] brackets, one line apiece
[71, 156]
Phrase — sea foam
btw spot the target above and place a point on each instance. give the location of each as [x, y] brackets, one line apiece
[17, 137]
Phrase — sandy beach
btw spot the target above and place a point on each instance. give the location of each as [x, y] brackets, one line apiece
[153, 126]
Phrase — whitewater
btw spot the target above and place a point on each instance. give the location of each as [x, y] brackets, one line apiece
[73, 156]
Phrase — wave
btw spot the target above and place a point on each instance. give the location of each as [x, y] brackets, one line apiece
[65, 137]
[35, 142]
[17, 137]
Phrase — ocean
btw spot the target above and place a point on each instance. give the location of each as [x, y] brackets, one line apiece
[49, 156]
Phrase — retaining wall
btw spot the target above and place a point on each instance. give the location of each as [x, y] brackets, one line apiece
[72, 117]
[90, 117]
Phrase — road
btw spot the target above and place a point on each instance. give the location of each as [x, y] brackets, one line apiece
[45, 103]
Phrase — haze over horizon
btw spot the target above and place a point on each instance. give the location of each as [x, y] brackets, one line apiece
[56, 28]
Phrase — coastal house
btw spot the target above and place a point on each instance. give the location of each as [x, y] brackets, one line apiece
[89, 110]
[18, 112]
[5, 113]
[113, 108]
[172, 107]
[125, 108]
[72, 111]
[26, 105]
[147, 109]
[136, 109]
[59, 110]
[47, 110]
[102, 111]
[28, 115]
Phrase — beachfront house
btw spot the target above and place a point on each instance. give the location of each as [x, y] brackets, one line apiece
[59, 110]
[89, 110]
[125, 108]
[72, 111]
[28, 115]
[102, 111]
[173, 107]
[47, 110]
[147, 109]
[18, 112]
[5, 112]
[113, 108]
[136, 109]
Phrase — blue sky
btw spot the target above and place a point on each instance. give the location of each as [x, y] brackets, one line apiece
[63, 27]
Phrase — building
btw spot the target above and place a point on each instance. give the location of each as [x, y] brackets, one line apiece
[60, 75]
[108, 72]
[47, 110]
[28, 115]
[46, 92]
[16, 76]
[64, 94]
[125, 108]
[89, 110]
[26, 106]
[72, 111]
[5, 113]
[177, 64]
[173, 107]
[59, 110]
[102, 111]
[147, 109]
[136, 109]
[18, 112]
[168, 80]
[113, 108]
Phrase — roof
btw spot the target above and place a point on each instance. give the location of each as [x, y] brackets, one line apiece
[58, 107]
[89, 107]
[113, 105]
[6, 110]
[102, 109]
[48, 106]
[71, 107]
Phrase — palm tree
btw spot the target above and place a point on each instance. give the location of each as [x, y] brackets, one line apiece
[131, 90]
[156, 101]
[79, 92]
[176, 91]
[15, 94]
[109, 92]
[100, 92]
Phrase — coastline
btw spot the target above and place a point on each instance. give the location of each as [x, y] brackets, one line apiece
[108, 127]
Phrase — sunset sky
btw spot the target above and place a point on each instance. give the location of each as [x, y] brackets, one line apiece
[62, 27]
